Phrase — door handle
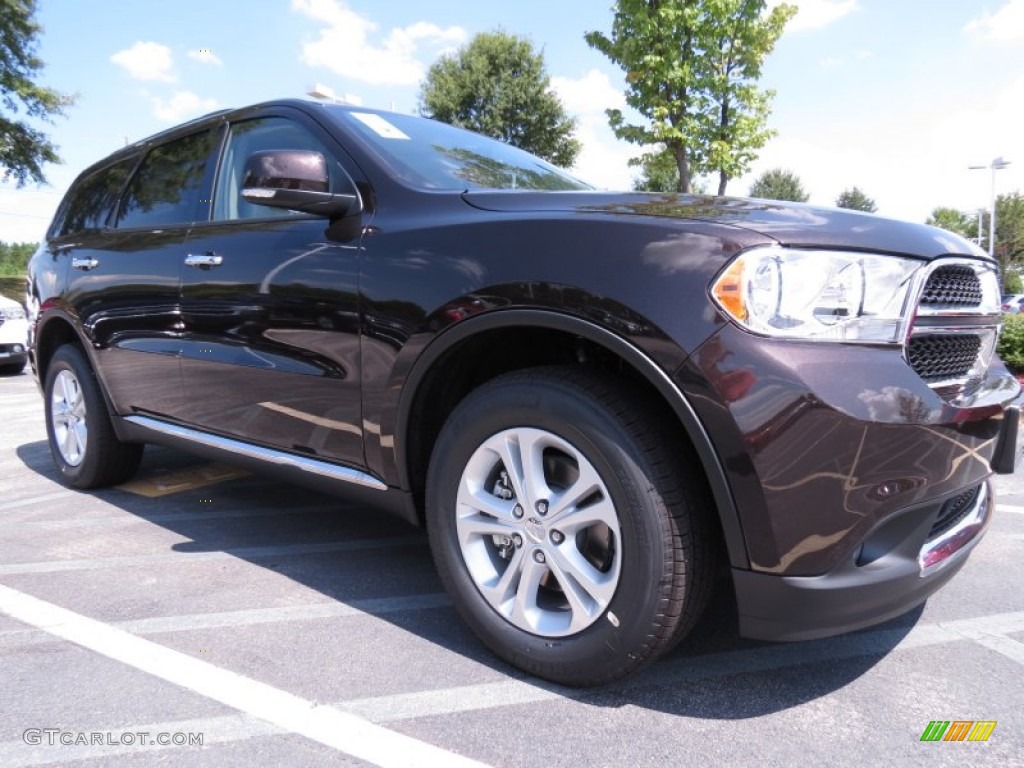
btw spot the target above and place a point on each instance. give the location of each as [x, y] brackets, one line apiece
[204, 260]
[84, 264]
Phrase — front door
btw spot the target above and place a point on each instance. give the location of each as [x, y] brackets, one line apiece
[270, 351]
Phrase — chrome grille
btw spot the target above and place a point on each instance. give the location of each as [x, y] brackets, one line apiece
[941, 357]
[953, 285]
[956, 323]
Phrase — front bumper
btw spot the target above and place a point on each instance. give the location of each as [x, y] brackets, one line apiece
[13, 354]
[899, 565]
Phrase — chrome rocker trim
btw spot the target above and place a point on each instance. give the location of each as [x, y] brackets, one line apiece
[304, 463]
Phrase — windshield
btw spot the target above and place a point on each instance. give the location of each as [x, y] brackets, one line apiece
[433, 155]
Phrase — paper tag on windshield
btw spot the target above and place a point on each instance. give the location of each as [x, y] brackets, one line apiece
[379, 125]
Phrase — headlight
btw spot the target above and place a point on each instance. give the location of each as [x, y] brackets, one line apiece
[12, 313]
[818, 295]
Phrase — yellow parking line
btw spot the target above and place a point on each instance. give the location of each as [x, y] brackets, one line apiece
[167, 483]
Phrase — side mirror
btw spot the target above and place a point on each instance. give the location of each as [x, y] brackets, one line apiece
[295, 179]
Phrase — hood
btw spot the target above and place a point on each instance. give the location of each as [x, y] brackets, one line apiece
[792, 224]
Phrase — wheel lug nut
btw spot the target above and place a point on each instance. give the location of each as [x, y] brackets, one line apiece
[517, 511]
[539, 556]
[517, 539]
[557, 537]
[542, 507]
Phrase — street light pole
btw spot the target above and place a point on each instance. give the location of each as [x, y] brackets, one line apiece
[997, 164]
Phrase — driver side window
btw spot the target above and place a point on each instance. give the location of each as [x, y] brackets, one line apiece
[250, 136]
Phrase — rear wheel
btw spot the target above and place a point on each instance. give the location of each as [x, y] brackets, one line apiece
[82, 439]
[567, 526]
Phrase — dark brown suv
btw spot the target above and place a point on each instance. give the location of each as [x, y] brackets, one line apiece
[594, 402]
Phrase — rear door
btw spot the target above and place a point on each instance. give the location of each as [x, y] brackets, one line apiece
[270, 350]
[125, 267]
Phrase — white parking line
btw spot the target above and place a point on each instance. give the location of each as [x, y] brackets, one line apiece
[245, 553]
[339, 730]
[1007, 646]
[250, 617]
[253, 616]
[987, 630]
[1009, 508]
[33, 500]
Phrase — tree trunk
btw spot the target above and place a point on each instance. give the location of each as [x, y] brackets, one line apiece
[684, 169]
[722, 126]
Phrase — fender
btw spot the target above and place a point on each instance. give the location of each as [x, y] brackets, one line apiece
[635, 357]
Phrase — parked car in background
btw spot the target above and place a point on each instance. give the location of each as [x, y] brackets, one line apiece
[599, 404]
[1013, 303]
[13, 337]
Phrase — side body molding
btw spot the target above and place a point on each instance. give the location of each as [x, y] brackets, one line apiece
[635, 357]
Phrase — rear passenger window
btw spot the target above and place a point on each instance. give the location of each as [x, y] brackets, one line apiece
[92, 200]
[168, 185]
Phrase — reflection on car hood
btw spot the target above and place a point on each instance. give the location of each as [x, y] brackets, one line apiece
[788, 223]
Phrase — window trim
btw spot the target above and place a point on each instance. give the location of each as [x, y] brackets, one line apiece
[318, 132]
[216, 130]
[53, 233]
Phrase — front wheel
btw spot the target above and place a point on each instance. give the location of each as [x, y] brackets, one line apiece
[568, 525]
[82, 442]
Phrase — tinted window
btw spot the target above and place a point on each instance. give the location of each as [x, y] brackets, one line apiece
[92, 200]
[257, 136]
[435, 155]
[167, 187]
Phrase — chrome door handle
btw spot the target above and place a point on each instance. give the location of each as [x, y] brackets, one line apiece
[85, 264]
[203, 260]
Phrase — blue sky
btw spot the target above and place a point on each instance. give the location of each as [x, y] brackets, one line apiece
[895, 96]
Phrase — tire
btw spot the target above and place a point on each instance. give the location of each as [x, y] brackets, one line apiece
[616, 568]
[82, 441]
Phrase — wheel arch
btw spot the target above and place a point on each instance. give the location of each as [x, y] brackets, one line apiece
[416, 427]
[53, 331]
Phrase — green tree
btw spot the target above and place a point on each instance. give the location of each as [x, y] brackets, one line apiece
[856, 200]
[24, 148]
[497, 85]
[779, 184]
[953, 220]
[1010, 228]
[691, 68]
[658, 172]
[1012, 282]
[14, 257]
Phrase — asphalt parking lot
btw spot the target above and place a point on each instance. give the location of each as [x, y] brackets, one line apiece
[282, 627]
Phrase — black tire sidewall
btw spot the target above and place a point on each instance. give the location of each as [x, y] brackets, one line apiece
[603, 650]
[69, 358]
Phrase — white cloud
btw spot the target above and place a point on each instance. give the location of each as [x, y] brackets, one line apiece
[181, 105]
[815, 14]
[345, 46]
[591, 94]
[910, 162]
[1004, 26]
[146, 61]
[25, 213]
[604, 159]
[205, 56]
